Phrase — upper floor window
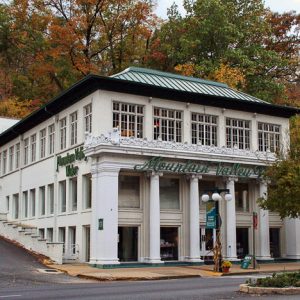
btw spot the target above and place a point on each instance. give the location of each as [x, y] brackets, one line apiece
[73, 128]
[237, 133]
[88, 118]
[51, 132]
[33, 147]
[17, 155]
[167, 124]
[204, 129]
[26, 151]
[11, 158]
[129, 118]
[4, 162]
[268, 137]
[43, 143]
[63, 133]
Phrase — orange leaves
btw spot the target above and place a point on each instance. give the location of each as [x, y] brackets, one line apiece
[187, 69]
[15, 108]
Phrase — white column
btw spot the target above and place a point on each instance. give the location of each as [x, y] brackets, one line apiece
[231, 222]
[194, 220]
[292, 237]
[263, 227]
[154, 219]
[104, 243]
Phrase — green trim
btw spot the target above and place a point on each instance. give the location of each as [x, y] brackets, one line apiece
[148, 265]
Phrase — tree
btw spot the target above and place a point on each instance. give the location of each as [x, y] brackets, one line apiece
[284, 178]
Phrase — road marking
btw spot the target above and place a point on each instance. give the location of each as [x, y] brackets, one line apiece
[10, 296]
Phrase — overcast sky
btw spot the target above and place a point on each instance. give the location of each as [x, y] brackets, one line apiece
[275, 5]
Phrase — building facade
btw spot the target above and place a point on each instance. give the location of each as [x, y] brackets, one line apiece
[115, 168]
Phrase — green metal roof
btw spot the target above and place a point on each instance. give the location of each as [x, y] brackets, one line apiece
[183, 83]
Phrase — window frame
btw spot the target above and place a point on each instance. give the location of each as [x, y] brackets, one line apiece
[88, 117]
[73, 128]
[246, 136]
[266, 135]
[63, 133]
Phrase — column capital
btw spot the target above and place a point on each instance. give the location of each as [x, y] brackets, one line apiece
[231, 179]
[264, 182]
[153, 173]
[193, 176]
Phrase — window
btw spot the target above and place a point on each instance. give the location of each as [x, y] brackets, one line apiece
[50, 235]
[88, 118]
[62, 195]
[63, 133]
[73, 128]
[237, 134]
[51, 198]
[129, 191]
[73, 193]
[268, 137]
[16, 206]
[25, 204]
[167, 124]
[42, 233]
[242, 197]
[11, 158]
[204, 129]
[7, 204]
[129, 118]
[33, 147]
[169, 193]
[26, 151]
[32, 202]
[62, 236]
[51, 131]
[17, 155]
[4, 162]
[42, 200]
[87, 191]
[42, 143]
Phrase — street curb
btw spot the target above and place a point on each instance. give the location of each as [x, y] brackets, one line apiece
[258, 272]
[245, 288]
[136, 278]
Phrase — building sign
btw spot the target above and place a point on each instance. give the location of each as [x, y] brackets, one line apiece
[158, 164]
[211, 215]
[68, 161]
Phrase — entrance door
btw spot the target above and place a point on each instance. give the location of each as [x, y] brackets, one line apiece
[242, 242]
[275, 242]
[87, 241]
[128, 244]
[169, 243]
[207, 241]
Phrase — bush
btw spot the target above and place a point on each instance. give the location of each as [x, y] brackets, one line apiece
[278, 280]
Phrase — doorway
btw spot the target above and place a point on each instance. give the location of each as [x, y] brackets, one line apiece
[128, 244]
[275, 242]
[207, 242]
[242, 242]
[87, 242]
[169, 243]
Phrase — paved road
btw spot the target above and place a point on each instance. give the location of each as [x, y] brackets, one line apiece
[20, 269]
[19, 279]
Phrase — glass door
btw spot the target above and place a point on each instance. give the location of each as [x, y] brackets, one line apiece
[128, 244]
[169, 243]
[207, 241]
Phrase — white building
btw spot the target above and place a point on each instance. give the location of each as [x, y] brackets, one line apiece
[114, 168]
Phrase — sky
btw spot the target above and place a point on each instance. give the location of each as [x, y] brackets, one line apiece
[274, 5]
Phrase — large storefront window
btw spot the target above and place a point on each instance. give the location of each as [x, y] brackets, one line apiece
[169, 193]
[204, 129]
[128, 243]
[167, 124]
[275, 242]
[242, 197]
[129, 191]
[242, 242]
[169, 243]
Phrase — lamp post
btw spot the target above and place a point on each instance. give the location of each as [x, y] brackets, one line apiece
[216, 196]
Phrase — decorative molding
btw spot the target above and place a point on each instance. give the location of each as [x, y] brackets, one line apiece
[114, 138]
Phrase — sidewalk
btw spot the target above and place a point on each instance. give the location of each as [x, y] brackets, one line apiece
[160, 273]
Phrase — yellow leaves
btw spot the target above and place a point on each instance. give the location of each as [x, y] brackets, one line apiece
[232, 76]
[14, 108]
[187, 69]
